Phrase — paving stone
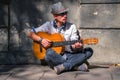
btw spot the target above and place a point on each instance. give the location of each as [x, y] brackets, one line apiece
[38, 72]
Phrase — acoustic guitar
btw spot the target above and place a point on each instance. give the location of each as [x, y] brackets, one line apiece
[58, 43]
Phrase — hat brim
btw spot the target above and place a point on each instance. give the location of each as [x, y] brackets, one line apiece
[62, 11]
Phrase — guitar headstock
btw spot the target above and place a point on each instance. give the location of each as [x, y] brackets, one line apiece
[90, 41]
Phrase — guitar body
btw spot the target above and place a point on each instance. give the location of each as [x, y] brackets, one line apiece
[54, 38]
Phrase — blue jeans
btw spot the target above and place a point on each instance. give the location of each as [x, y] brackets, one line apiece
[69, 60]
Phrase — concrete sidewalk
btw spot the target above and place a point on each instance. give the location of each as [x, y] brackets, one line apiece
[38, 72]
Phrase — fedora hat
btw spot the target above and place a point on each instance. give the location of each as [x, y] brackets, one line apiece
[58, 8]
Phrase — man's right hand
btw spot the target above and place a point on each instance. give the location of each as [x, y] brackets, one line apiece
[46, 43]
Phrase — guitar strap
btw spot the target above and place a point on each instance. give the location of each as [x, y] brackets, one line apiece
[33, 28]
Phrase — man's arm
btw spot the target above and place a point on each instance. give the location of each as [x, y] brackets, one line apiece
[33, 36]
[45, 42]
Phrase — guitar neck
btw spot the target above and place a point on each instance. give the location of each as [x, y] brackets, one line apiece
[63, 43]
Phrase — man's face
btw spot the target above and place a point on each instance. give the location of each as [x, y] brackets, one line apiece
[62, 17]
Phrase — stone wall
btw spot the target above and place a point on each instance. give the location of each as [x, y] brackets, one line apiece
[94, 18]
[100, 18]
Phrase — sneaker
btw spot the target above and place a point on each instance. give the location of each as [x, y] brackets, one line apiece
[83, 67]
[58, 69]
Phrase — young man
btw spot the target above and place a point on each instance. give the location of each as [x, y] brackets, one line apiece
[72, 58]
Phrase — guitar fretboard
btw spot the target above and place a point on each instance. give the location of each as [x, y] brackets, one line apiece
[62, 43]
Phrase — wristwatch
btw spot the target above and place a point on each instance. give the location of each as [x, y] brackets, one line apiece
[41, 40]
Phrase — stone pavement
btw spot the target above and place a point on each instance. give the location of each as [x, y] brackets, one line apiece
[38, 72]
